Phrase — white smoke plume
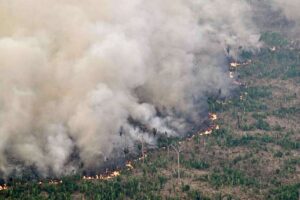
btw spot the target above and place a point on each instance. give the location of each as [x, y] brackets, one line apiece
[73, 72]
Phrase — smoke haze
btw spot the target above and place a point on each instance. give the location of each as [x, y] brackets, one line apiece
[290, 9]
[72, 74]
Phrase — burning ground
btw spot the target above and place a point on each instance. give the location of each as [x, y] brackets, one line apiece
[253, 155]
[74, 74]
[77, 102]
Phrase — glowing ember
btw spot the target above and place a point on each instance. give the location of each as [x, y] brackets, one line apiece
[213, 116]
[141, 158]
[54, 182]
[129, 166]
[102, 177]
[234, 64]
[116, 173]
[273, 49]
[208, 131]
[3, 187]
[112, 175]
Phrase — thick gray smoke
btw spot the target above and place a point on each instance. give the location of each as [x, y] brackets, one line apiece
[282, 16]
[290, 10]
[73, 72]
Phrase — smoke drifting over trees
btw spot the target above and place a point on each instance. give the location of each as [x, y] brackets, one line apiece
[72, 73]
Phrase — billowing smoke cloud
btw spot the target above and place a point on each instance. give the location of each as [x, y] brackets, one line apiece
[290, 9]
[74, 73]
[279, 15]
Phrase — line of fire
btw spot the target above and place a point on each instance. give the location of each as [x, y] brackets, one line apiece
[210, 124]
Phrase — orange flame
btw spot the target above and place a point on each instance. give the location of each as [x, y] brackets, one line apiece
[110, 176]
[129, 166]
[141, 158]
[234, 64]
[102, 177]
[212, 116]
[3, 187]
[208, 131]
